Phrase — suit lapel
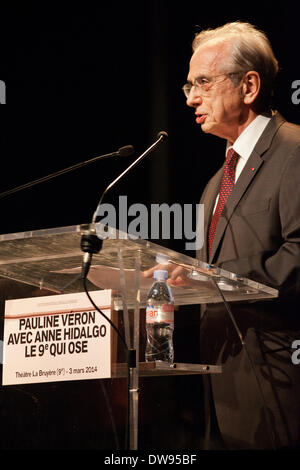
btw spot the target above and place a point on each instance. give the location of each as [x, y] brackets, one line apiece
[249, 172]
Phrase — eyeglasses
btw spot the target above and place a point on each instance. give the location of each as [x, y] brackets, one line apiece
[204, 84]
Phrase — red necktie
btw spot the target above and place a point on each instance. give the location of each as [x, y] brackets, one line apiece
[225, 189]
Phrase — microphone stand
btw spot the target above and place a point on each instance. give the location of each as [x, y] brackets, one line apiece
[91, 244]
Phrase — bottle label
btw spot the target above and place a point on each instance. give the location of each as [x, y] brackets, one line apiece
[162, 314]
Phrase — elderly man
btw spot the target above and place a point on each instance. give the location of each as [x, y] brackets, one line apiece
[257, 232]
[252, 228]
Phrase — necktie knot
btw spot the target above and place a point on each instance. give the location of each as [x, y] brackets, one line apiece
[231, 158]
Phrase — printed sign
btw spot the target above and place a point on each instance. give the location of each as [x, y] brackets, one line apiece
[57, 338]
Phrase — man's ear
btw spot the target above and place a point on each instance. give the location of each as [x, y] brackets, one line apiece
[251, 86]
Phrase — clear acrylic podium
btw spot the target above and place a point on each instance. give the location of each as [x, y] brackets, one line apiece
[50, 261]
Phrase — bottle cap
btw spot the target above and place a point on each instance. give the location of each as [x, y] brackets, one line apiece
[162, 259]
[160, 274]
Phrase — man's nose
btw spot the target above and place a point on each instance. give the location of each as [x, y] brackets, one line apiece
[194, 98]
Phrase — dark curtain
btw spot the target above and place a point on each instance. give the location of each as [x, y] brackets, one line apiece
[86, 79]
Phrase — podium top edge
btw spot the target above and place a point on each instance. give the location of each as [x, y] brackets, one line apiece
[150, 246]
[40, 232]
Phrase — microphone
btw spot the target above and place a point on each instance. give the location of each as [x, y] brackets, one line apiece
[161, 136]
[122, 152]
[90, 243]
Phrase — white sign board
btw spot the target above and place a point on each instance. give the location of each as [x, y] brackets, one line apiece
[57, 338]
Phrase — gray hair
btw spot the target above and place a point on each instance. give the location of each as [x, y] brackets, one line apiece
[251, 50]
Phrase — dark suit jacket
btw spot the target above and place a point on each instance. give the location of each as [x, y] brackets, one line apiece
[258, 237]
[258, 234]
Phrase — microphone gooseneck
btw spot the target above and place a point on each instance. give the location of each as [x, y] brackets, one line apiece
[161, 136]
[122, 152]
[90, 243]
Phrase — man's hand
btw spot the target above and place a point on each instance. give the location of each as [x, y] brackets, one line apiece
[180, 276]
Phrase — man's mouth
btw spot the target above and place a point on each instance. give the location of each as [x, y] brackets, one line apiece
[200, 118]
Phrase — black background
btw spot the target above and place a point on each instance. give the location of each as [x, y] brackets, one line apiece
[86, 78]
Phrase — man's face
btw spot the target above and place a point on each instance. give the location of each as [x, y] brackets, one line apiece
[220, 110]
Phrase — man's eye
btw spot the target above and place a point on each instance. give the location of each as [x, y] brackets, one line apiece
[202, 81]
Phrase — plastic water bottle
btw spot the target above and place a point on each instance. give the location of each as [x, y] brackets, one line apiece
[160, 320]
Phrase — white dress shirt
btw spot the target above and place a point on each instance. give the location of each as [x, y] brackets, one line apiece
[246, 142]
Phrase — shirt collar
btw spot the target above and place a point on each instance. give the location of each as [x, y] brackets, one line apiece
[247, 140]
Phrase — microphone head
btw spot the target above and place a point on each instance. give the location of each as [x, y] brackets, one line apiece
[126, 151]
[162, 134]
